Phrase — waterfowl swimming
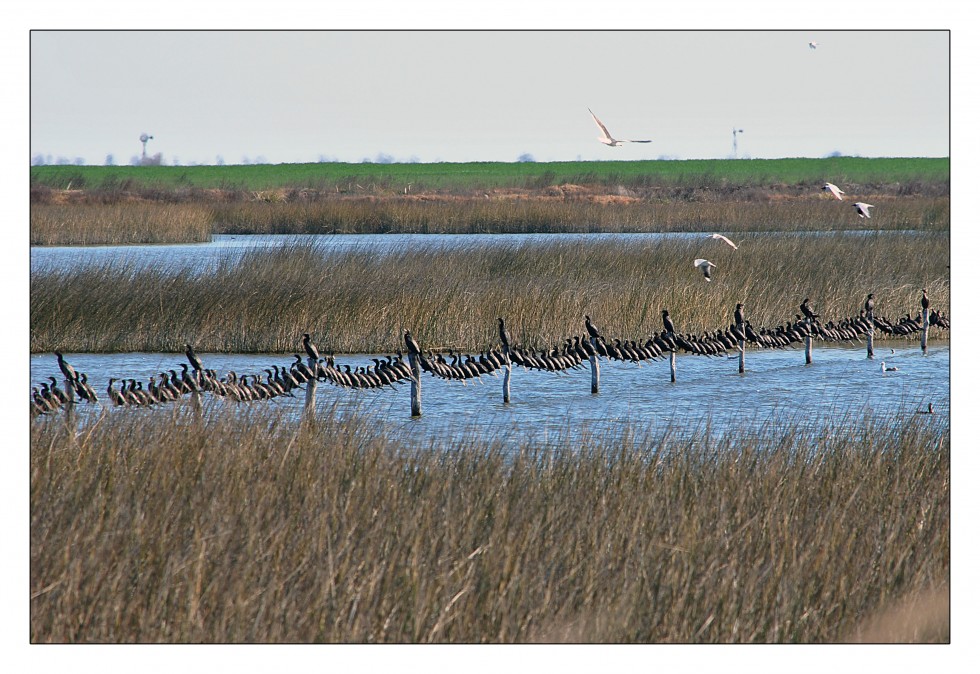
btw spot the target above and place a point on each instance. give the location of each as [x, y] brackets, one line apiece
[928, 410]
[705, 268]
[310, 347]
[889, 368]
[862, 209]
[606, 138]
[833, 189]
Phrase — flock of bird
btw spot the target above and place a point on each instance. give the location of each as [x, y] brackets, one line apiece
[571, 353]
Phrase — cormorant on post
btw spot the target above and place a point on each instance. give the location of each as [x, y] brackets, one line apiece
[739, 314]
[591, 328]
[192, 358]
[504, 337]
[413, 346]
[668, 324]
[310, 347]
[66, 369]
[925, 299]
[807, 311]
[869, 304]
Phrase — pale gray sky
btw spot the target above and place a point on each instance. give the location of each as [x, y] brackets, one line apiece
[486, 95]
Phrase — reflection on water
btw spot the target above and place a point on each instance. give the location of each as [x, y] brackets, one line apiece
[841, 385]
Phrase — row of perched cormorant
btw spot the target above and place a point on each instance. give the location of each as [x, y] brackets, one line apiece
[454, 366]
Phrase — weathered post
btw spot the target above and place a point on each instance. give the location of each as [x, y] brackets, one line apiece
[808, 342]
[70, 405]
[741, 356]
[594, 362]
[925, 329]
[413, 361]
[673, 366]
[871, 341]
[310, 403]
[506, 375]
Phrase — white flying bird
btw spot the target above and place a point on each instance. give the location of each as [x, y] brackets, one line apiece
[608, 139]
[725, 239]
[862, 209]
[705, 268]
[833, 189]
[813, 45]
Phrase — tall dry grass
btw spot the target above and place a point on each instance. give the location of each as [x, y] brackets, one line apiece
[357, 301]
[257, 529]
[119, 223]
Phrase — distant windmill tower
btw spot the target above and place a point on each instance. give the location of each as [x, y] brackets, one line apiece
[143, 138]
[734, 141]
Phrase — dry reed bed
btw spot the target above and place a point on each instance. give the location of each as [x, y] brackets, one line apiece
[258, 529]
[155, 222]
[359, 301]
[120, 223]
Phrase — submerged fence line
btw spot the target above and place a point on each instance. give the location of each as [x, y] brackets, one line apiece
[449, 365]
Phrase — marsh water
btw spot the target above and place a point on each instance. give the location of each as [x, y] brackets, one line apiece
[229, 248]
[842, 385]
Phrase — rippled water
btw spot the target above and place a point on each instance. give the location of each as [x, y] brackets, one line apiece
[841, 385]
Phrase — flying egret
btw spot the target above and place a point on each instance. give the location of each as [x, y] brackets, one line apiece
[705, 268]
[862, 209]
[833, 189]
[606, 138]
[813, 45]
[725, 239]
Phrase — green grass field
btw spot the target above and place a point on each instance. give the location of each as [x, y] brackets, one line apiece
[483, 175]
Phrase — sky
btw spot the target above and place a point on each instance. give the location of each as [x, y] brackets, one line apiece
[211, 97]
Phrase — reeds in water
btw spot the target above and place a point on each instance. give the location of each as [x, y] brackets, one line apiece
[362, 300]
[258, 529]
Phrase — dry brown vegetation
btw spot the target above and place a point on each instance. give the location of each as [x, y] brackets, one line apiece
[157, 528]
[358, 301]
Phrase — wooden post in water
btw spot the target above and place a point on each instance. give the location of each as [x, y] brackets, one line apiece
[310, 403]
[871, 342]
[673, 366]
[925, 330]
[413, 361]
[70, 405]
[809, 342]
[506, 375]
[594, 362]
[741, 356]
